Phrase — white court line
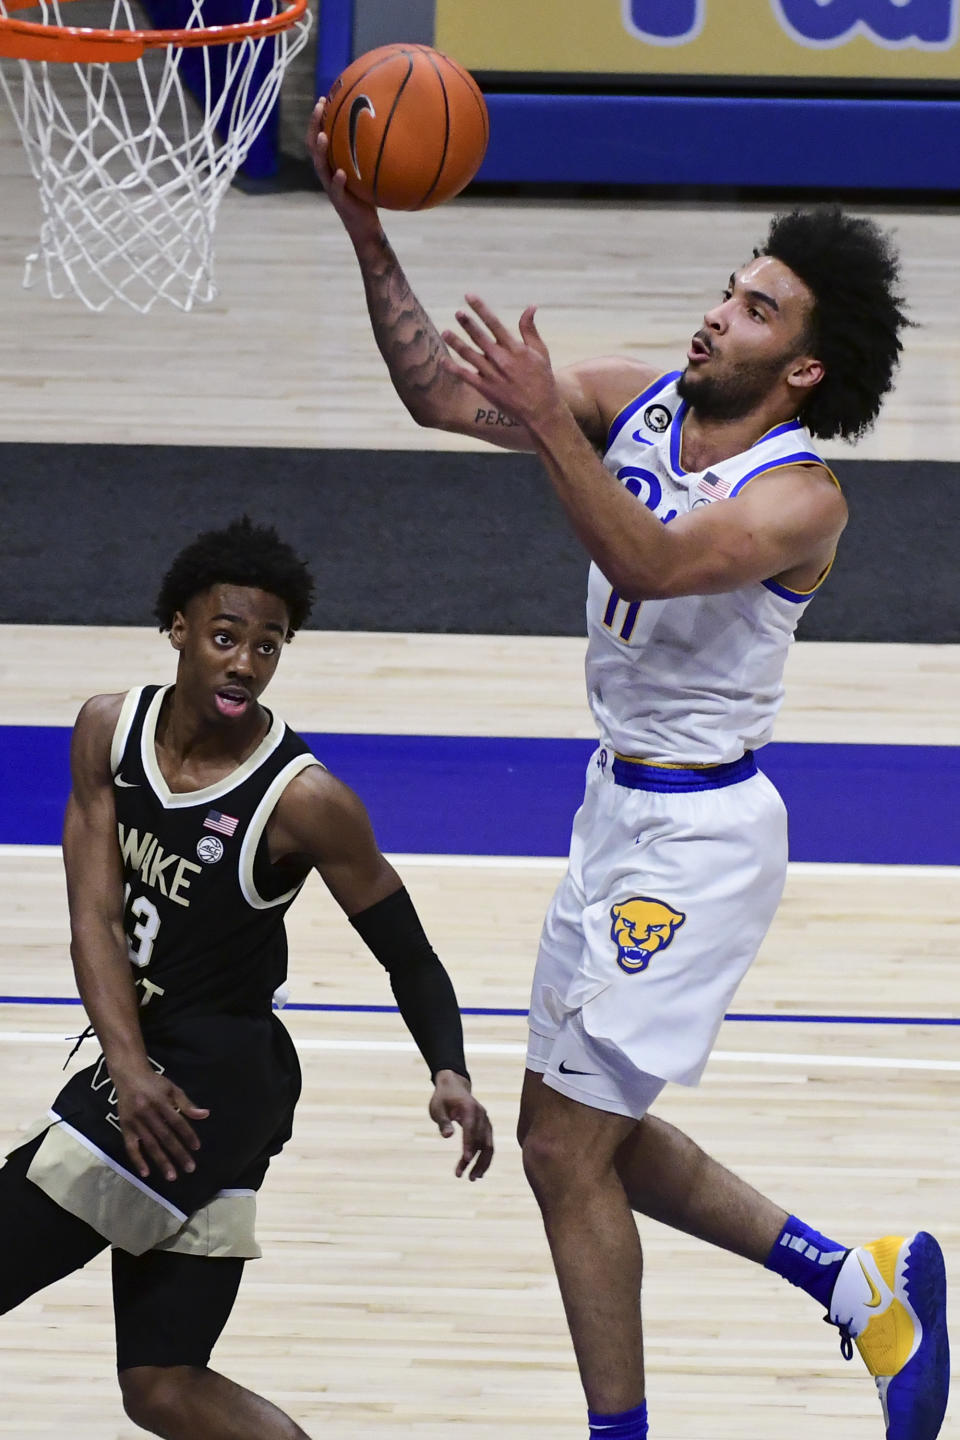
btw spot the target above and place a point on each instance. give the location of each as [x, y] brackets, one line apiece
[453, 862]
[557, 863]
[514, 1047]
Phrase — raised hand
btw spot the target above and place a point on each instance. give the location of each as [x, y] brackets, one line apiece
[511, 371]
[355, 214]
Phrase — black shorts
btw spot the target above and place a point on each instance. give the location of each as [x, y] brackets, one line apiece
[243, 1068]
[169, 1309]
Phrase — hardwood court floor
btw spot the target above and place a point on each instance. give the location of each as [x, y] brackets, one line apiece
[393, 1299]
[380, 683]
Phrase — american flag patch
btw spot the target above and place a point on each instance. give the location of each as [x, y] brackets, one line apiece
[712, 485]
[223, 824]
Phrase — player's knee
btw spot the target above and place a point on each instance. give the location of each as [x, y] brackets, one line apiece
[153, 1398]
[547, 1163]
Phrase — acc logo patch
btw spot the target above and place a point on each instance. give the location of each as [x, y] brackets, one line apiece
[640, 927]
[210, 849]
[657, 417]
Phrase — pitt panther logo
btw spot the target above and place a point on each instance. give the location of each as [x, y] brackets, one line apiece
[642, 926]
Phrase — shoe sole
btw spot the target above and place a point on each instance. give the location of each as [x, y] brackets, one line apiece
[916, 1398]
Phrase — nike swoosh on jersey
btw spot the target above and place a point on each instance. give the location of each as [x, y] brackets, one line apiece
[125, 784]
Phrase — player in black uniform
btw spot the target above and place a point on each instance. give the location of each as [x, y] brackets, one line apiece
[194, 819]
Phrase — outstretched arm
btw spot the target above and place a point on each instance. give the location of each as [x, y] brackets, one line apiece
[785, 524]
[406, 337]
[320, 822]
[154, 1113]
[417, 357]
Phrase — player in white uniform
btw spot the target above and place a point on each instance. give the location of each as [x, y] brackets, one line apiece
[710, 521]
[678, 824]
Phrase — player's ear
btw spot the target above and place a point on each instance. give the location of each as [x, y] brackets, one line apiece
[806, 373]
[178, 630]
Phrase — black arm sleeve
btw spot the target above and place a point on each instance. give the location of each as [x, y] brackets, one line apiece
[421, 986]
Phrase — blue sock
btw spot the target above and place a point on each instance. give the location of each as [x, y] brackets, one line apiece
[629, 1425]
[807, 1259]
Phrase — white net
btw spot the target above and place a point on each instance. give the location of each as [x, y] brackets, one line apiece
[132, 164]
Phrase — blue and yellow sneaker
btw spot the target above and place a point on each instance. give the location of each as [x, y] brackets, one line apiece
[890, 1299]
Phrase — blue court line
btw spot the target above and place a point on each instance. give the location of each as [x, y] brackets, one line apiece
[500, 795]
[511, 1012]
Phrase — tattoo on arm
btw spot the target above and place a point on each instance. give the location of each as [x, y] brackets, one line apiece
[406, 336]
[494, 417]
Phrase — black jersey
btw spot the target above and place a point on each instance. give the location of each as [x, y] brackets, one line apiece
[203, 910]
[203, 914]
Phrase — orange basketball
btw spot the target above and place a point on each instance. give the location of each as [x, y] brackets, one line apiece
[407, 125]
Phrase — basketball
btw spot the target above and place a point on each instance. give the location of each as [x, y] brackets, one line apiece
[407, 125]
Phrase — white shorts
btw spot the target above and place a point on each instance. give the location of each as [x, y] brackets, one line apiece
[666, 900]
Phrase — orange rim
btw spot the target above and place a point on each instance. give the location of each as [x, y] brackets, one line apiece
[28, 40]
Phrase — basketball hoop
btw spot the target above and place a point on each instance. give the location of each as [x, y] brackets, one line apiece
[132, 155]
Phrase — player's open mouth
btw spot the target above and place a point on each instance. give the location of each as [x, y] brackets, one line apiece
[232, 702]
[699, 349]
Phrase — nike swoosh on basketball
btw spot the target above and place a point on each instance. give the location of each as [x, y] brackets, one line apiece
[125, 784]
[876, 1300]
[361, 103]
[565, 1070]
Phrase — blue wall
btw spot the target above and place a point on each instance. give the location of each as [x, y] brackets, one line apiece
[660, 140]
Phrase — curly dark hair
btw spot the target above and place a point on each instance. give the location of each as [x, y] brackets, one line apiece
[241, 554]
[852, 268]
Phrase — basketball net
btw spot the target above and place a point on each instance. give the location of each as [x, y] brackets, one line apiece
[131, 165]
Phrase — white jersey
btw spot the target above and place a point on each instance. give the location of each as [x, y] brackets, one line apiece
[696, 679]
